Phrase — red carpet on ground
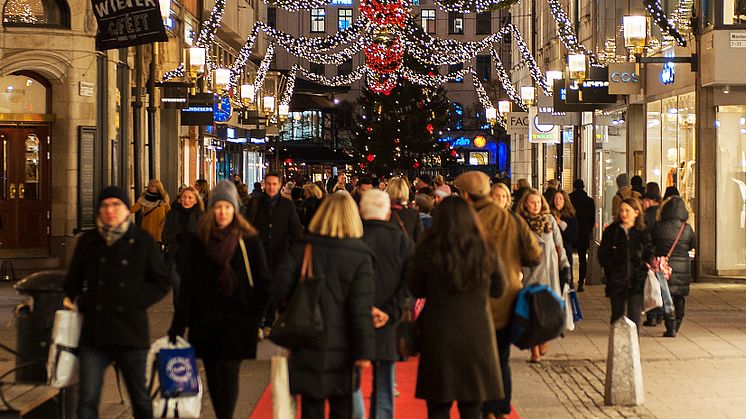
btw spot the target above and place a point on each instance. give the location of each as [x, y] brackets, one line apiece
[406, 406]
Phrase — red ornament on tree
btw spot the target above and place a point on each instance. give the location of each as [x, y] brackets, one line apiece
[429, 128]
[370, 129]
[370, 157]
[384, 14]
[454, 153]
[415, 165]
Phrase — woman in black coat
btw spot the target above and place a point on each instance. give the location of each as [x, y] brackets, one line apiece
[564, 213]
[181, 223]
[220, 301]
[672, 215]
[407, 219]
[325, 368]
[625, 252]
[456, 272]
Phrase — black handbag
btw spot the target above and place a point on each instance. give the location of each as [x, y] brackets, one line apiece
[408, 335]
[302, 321]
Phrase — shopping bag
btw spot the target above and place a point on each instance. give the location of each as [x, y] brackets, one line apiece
[668, 307]
[652, 297]
[184, 406]
[62, 363]
[177, 372]
[283, 403]
[538, 316]
[577, 313]
[569, 319]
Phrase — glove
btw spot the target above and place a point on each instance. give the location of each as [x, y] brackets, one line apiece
[566, 276]
[173, 333]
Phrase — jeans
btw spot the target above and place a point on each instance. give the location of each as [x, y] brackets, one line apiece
[582, 265]
[466, 410]
[222, 383]
[339, 407]
[131, 363]
[502, 407]
[382, 396]
[629, 305]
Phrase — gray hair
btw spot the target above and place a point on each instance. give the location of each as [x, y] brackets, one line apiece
[375, 205]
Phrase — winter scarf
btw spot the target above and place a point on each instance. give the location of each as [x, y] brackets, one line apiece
[220, 250]
[539, 224]
[149, 199]
[111, 233]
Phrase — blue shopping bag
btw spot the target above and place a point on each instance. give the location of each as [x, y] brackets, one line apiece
[577, 313]
[177, 372]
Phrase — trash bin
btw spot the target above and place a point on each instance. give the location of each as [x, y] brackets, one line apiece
[35, 318]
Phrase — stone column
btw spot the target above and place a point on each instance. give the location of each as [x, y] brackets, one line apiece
[623, 367]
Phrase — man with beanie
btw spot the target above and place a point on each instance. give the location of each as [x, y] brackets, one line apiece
[624, 192]
[278, 224]
[116, 273]
[516, 246]
[585, 212]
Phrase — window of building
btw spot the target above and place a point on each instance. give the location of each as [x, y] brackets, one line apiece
[189, 35]
[319, 69]
[49, 13]
[484, 23]
[272, 17]
[344, 18]
[345, 68]
[427, 17]
[452, 68]
[318, 20]
[456, 116]
[730, 124]
[455, 23]
[484, 64]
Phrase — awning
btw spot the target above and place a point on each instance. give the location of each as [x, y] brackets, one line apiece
[309, 102]
[312, 153]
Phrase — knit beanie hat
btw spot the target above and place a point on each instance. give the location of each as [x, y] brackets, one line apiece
[113, 192]
[225, 190]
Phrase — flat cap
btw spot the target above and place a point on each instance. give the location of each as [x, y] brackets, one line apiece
[474, 182]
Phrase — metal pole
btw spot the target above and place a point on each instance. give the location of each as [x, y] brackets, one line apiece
[137, 121]
[151, 111]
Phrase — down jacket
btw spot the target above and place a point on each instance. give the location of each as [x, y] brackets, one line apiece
[324, 368]
[672, 215]
[624, 257]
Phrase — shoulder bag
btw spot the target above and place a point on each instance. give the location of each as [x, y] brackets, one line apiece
[302, 321]
[246, 262]
[660, 263]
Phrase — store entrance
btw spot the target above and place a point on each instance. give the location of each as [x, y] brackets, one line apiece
[24, 187]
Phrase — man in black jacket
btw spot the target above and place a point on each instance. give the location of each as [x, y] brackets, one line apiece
[116, 273]
[585, 212]
[393, 253]
[278, 224]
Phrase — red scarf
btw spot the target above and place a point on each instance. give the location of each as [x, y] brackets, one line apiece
[220, 250]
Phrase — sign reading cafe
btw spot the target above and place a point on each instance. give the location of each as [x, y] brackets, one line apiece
[124, 23]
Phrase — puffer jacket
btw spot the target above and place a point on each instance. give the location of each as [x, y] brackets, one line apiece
[624, 257]
[671, 216]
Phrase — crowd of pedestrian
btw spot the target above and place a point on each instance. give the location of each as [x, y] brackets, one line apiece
[466, 248]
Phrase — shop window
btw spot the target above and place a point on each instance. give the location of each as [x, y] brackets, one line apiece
[49, 13]
[734, 12]
[484, 63]
[455, 23]
[611, 162]
[427, 21]
[344, 19]
[484, 23]
[730, 124]
[318, 20]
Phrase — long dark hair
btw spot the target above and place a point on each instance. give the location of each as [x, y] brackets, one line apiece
[455, 246]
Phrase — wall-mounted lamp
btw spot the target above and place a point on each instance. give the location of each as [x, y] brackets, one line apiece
[528, 94]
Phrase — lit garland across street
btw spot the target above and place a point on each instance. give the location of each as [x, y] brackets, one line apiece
[471, 6]
[295, 5]
[659, 16]
[567, 34]
[261, 73]
[505, 81]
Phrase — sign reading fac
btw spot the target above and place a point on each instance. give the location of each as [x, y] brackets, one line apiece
[517, 123]
[124, 23]
[624, 79]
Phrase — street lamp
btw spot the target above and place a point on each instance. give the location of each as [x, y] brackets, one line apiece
[528, 94]
[283, 110]
[553, 75]
[268, 105]
[503, 106]
[576, 66]
[490, 114]
[194, 64]
[636, 33]
[222, 79]
[247, 95]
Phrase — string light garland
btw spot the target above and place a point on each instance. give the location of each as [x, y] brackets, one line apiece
[472, 6]
[660, 19]
[261, 72]
[177, 72]
[506, 82]
[566, 32]
[296, 5]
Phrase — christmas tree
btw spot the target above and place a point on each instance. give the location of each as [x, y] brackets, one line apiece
[399, 130]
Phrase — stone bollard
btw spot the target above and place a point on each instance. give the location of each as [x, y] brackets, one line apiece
[623, 367]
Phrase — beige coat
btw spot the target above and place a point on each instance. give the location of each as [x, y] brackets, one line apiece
[153, 217]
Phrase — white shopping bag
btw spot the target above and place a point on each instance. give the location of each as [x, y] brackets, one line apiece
[171, 407]
[283, 403]
[569, 320]
[62, 363]
[652, 297]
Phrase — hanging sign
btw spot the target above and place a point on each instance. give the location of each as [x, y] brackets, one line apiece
[547, 114]
[541, 133]
[624, 79]
[124, 23]
[517, 123]
[199, 111]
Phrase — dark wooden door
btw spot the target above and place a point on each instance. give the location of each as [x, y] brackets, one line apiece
[25, 187]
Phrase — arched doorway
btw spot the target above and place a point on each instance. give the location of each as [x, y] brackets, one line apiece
[25, 191]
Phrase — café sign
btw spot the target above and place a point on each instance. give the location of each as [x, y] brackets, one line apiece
[517, 123]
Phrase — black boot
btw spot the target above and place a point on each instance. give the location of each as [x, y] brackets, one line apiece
[670, 329]
[678, 324]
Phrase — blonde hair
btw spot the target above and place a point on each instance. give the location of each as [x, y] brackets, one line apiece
[337, 217]
[398, 189]
[504, 187]
[158, 185]
[313, 190]
[196, 194]
[523, 211]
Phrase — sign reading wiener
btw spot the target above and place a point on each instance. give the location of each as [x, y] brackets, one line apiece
[124, 23]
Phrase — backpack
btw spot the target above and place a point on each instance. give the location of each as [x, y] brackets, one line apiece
[538, 316]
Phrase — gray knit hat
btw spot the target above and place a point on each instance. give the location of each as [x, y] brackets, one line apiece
[225, 190]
